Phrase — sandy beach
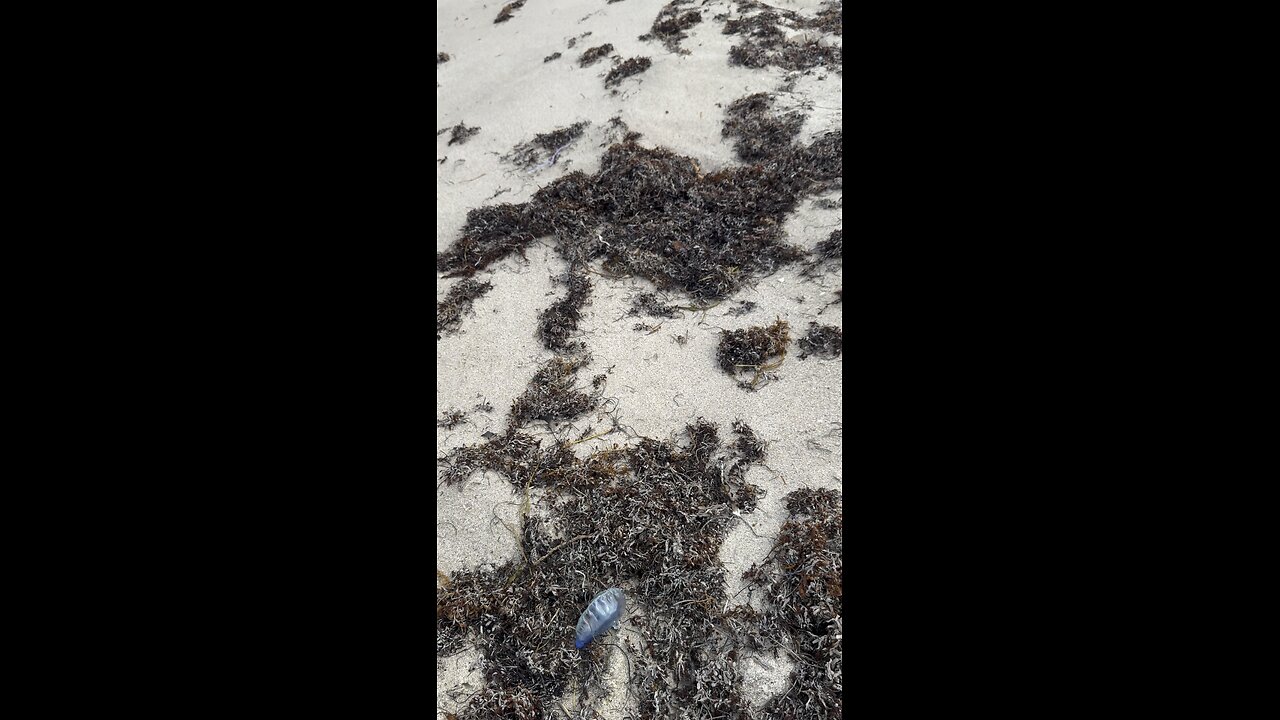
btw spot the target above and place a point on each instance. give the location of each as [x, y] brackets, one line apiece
[657, 382]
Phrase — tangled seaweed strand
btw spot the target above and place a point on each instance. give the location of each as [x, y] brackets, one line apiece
[551, 395]
[647, 303]
[451, 419]
[833, 246]
[544, 147]
[458, 301]
[802, 583]
[750, 349]
[442, 57]
[505, 14]
[594, 55]
[651, 519]
[824, 340]
[558, 322]
[670, 25]
[761, 133]
[461, 133]
[626, 69]
[829, 251]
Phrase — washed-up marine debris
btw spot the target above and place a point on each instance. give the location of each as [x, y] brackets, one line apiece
[828, 252]
[505, 14]
[670, 25]
[751, 349]
[458, 301]
[594, 55]
[651, 213]
[650, 516]
[785, 38]
[824, 340]
[625, 69]
[605, 611]
[545, 148]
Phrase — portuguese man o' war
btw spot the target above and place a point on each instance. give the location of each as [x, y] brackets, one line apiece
[603, 612]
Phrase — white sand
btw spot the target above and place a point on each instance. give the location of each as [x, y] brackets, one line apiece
[496, 80]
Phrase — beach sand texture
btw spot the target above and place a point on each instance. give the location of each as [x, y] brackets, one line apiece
[496, 80]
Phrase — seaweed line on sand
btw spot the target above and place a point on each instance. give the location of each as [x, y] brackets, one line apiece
[651, 213]
[650, 518]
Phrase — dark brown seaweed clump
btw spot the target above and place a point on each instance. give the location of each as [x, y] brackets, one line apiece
[461, 133]
[442, 57]
[545, 148]
[491, 233]
[765, 43]
[551, 57]
[451, 419]
[802, 583]
[648, 304]
[828, 251]
[761, 132]
[670, 26]
[751, 349]
[505, 14]
[825, 340]
[594, 55]
[626, 69]
[557, 323]
[560, 137]
[551, 395]
[833, 246]
[456, 302]
[653, 214]
[649, 518]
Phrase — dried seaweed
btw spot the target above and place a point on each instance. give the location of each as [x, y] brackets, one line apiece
[802, 583]
[617, 131]
[456, 302]
[594, 55]
[505, 14]
[761, 132]
[670, 25]
[765, 41]
[826, 252]
[648, 304]
[442, 57]
[839, 299]
[751, 349]
[551, 57]
[551, 395]
[651, 213]
[824, 340]
[461, 133]
[451, 419]
[559, 322]
[650, 518]
[491, 233]
[560, 137]
[546, 147]
[832, 247]
[626, 69]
